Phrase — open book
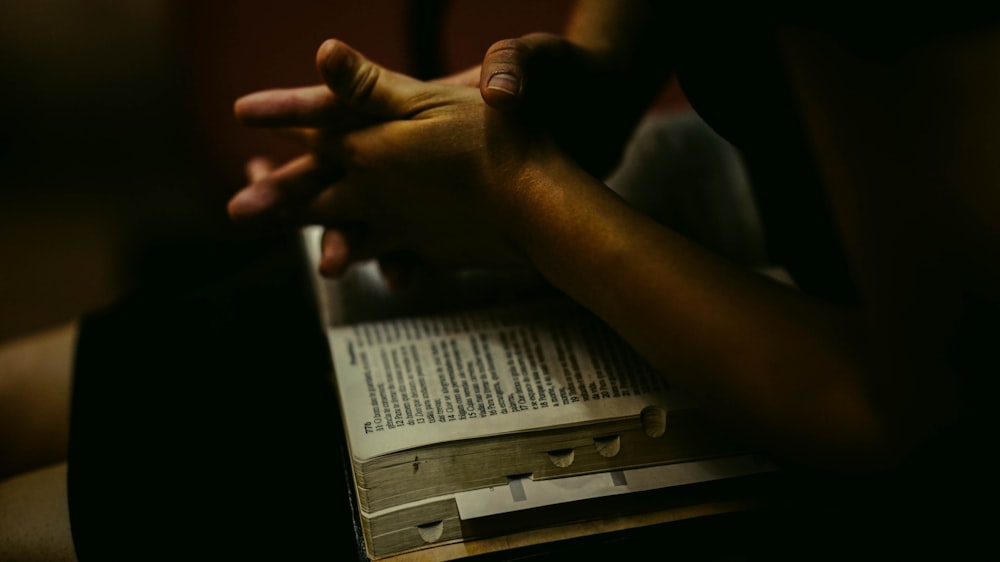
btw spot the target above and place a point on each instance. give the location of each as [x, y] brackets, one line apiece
[487, 393]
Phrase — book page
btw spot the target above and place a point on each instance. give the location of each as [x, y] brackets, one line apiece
[418, 380]
[524, 493]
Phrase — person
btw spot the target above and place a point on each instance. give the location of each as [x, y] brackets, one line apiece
[870, 150]
[868, 144]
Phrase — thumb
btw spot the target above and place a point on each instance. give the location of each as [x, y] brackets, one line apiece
[363, 85]
[509, 67]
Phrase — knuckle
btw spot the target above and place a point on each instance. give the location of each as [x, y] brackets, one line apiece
[503, 45]
[513, 54]
[506, 51]
[354, 154]
[363, 83]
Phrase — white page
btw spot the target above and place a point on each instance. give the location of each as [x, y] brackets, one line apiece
[410, 382]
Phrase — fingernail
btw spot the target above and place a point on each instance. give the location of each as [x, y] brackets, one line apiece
[505, 82]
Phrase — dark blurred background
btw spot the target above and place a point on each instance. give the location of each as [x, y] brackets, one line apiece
[118, 148]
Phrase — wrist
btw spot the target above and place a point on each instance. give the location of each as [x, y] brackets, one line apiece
[559, 214]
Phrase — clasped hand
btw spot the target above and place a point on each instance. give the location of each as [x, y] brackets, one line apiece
[393, 164]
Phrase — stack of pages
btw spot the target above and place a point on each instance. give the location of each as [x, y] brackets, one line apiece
[482, 408]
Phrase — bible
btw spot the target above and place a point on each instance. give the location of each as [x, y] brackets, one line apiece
[492, 405]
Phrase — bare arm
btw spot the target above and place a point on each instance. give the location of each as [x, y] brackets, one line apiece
[781, 368]
[907, 150]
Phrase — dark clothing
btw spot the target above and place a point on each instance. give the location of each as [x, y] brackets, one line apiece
[733, 77]
[204, 424]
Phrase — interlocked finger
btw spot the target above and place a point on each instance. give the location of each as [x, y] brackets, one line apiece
[280, 194]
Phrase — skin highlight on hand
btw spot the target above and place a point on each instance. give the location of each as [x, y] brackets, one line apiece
[287, 187]
[258, 168]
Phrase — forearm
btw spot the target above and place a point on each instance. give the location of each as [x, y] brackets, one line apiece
[608, 26]
[786, 370]
[629, 35]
